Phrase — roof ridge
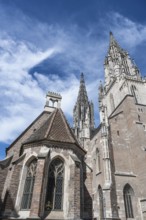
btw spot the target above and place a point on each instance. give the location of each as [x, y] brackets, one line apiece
[51, 123]
[72, 134]
[23, 132]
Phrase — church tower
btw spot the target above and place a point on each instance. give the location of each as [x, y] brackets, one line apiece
[122, 108]
[83, 113]
[122, 77]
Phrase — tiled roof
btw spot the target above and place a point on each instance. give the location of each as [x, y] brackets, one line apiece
[44, 115]
[55, 128]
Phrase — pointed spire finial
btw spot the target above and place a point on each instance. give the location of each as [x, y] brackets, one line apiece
[113, 42]
[82, 78]
[111, 33]
[112, 39]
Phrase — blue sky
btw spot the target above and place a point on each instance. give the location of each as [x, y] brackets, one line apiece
[46, 44]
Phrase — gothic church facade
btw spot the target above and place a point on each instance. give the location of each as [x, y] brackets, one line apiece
[52, 171]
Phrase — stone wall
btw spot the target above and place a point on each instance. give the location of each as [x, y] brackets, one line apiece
[3, 174]
[10, 191]
[128, 141]
[77, 192]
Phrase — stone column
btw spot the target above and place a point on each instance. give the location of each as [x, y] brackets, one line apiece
[37, 190]
[107, 204]
[77, 192]
[74, 198]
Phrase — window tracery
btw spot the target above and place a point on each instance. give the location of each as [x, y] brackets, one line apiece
[128, 193]
[54, 198]
[29, 184]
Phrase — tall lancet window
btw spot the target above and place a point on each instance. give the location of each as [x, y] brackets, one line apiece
[101, 203]
[128, 194]
[54, 198]
[29, 184]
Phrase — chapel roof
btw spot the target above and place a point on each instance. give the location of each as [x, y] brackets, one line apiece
[55, 128]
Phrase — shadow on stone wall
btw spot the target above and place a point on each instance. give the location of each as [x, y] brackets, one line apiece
[88, 206]
[1, 207]
[46, 213]
[7, 207]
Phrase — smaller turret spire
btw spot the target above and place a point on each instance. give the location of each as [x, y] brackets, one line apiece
[82, 95]
[83, 113]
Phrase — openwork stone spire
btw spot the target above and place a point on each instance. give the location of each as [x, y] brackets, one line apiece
[118, 63]
[82, 95]
[83, 113]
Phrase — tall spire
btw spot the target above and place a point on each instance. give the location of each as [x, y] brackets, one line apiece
[83, 113]
[118, 63]
[82, 95]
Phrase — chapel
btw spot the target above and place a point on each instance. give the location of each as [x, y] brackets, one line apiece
[54, 171]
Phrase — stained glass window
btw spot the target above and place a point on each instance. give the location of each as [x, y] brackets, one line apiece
[54, 196]
[29, 184]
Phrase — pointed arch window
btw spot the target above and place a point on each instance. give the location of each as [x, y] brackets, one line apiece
[101, 203]
[29, 184]
[128, 194]
[54, 198]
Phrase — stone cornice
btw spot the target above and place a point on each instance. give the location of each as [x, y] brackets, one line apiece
[141, 80]
[53, 144]
[115, 114]
[129, 174]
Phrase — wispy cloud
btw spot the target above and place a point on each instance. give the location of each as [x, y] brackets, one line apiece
[74, 49]
[19, 91]
[129, 32]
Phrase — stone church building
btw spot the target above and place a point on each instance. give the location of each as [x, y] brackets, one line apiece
[53, 171]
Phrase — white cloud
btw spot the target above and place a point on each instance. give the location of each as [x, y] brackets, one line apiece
[130, 33]
[68, 88]
[20, 92]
